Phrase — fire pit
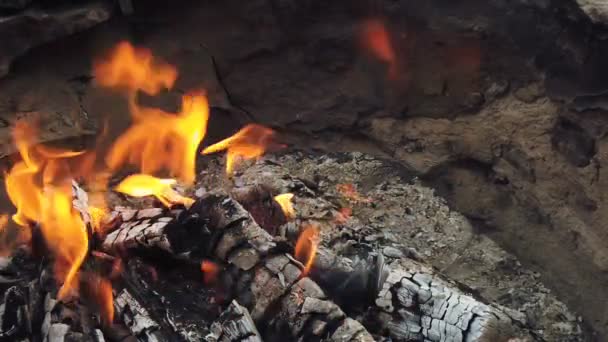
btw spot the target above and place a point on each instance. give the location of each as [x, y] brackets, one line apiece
[220, 198]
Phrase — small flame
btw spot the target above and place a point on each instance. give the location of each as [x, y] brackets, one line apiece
[376, 39]
[100, 290]
[284, 200]
[306, 247]
[349, 191]
[210, 272]
[249, 143]
[141, 185]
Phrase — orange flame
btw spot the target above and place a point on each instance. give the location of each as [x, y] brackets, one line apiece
[210, 272]
[129, 68]
[159, 140]
[349, 191]
[141, 185]
[376, 39]
[249, 143]
[306, 247]
[284, 200]
[65, 236]
[100, 289]
[38, 186]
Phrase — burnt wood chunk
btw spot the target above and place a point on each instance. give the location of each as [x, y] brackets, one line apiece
[415, 304]
[137, 319]
[234, 324]
[267, 282]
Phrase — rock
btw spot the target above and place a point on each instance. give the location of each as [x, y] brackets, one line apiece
[496, 90]
[14, 4]
[34, 27]
[597, 10]
[530, 93]
[392, 252]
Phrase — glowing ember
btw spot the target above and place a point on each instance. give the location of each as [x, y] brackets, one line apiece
[306, 247]
[349, 191]
[284, 200]
[100, 289]
[376, 39]
[249, 143]
[141, 185]
[210, 272]
[342, 216]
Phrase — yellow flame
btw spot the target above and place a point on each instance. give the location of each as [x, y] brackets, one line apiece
[38, 186]
[141, 185]
[157, 140]
[284, 200]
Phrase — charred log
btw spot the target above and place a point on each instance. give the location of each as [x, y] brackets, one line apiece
[235, 324]
[269, 283]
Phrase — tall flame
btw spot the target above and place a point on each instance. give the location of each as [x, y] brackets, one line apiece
[157, 140]
[65, 236]
[306, 247]
[38, 187]
[249, 143]
[163, 141]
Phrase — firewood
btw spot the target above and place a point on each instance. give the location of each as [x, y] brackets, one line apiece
[234, 324]
[269, 283]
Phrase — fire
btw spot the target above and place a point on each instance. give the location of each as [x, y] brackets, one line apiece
[376, 39]
[284, 200]
[249, 143]
[65, 236]
[131, 69]
[157, 140]
[210, 272]
[349, 191]
[306, 247]
[100, 289]
[141, 185]
[39, 187]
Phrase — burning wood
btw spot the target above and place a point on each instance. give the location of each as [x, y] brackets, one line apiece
[255, 263]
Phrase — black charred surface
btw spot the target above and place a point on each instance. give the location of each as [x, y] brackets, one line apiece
[259, 202]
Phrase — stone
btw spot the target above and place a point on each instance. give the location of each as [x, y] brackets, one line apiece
[596, 10]
[14, 4]
[34, 27]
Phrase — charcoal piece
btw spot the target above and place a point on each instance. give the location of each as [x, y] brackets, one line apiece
[234, 324]
[137, 319]
[259, 202]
